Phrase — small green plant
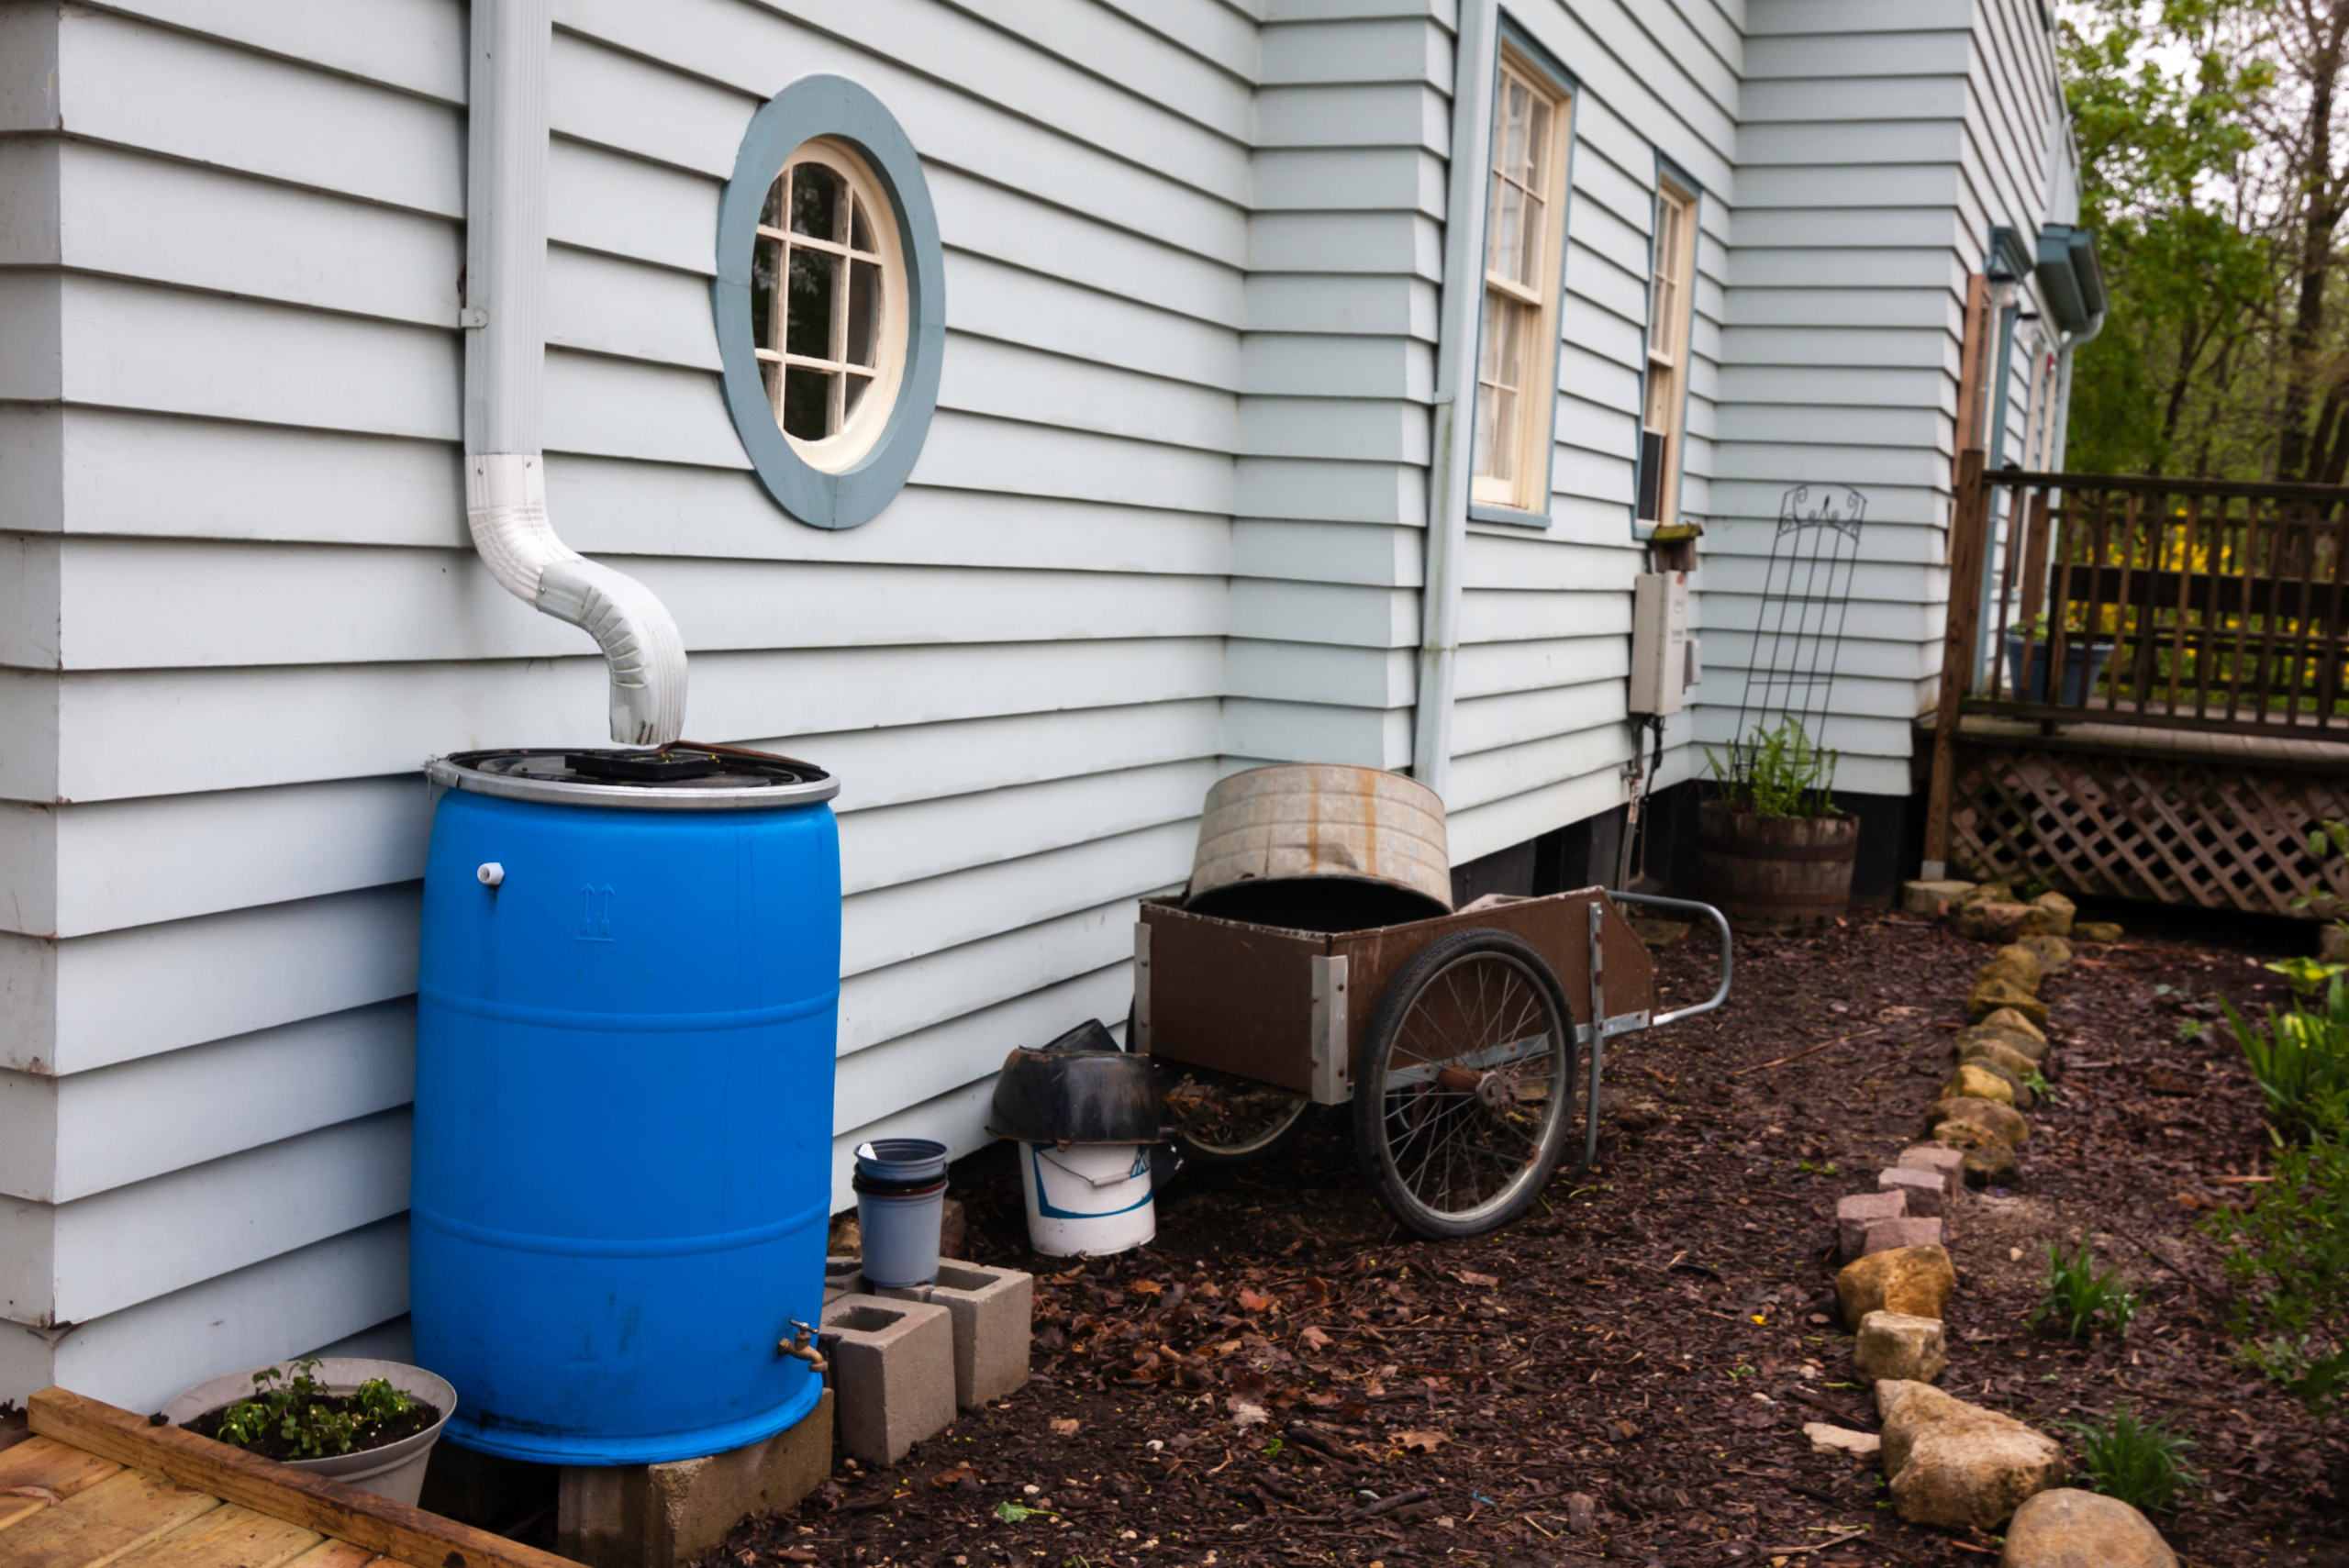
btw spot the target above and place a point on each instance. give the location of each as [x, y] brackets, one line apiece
[291, 1407]
[2302, 1061]
[2307, 976]
[2290, 1255]
[1824, 1168]
[1776, 773]
[2082, 1298]
[2142, 1463]
[2036, 1082]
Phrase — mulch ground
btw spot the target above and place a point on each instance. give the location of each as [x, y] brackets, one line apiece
[1624, 1375]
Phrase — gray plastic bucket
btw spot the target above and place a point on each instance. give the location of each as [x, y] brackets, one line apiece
[902, 1159]
[901, 1232]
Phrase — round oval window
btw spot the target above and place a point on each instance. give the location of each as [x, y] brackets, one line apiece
[829, 301]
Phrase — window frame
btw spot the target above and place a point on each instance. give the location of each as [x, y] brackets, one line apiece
[1529, 493]
[1673, 186]
[829, 108]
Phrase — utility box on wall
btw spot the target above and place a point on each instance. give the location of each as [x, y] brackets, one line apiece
[1664, 656]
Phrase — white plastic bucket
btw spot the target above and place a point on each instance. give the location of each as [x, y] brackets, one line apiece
[1088, 1201]
[901, 1234]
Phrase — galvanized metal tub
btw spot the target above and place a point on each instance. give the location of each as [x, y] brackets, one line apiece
[1268, 834]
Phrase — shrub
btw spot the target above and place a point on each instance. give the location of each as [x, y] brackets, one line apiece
[2302, 1061]
[2290, 1255]
[2139, 1462]
[2082, 1298]
[1776, 773]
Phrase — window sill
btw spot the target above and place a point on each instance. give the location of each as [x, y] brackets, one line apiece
[1514, 516]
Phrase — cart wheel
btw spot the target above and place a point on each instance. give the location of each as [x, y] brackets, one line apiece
[1220, 1122]
[1465, 1087]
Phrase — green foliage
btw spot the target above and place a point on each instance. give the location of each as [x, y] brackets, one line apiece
[1776, 773]
[291, 1405]
[2302, 1061]
[2082, 1298]
[2290, 1255]
[2142, 1463]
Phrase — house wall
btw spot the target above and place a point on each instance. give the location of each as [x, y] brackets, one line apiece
[1879, 144]
[1170, 520]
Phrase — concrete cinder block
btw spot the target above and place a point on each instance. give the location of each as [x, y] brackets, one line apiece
[843, 1276]
[1938, 1157]
[991, 1308]
[1927, 1191]
[1854, 1214]
[658, 1516]
[893, 1367]
[1886, 1234]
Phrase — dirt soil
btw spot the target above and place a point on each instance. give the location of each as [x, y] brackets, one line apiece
[1624, 1373]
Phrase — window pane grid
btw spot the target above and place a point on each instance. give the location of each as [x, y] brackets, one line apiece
[818, 299]
[1513, 360]
[1670, 282]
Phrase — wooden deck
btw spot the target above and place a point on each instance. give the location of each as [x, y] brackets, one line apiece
[97, 1487]
[2324, 752]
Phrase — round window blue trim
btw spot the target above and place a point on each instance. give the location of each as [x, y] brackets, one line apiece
[831, 106]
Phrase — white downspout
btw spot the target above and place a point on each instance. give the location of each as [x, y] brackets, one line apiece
[1455, 359]
[506, 491]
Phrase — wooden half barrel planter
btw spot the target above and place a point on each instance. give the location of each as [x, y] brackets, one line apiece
[1775, 874]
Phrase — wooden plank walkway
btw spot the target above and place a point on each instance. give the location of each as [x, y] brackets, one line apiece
[97, 1487]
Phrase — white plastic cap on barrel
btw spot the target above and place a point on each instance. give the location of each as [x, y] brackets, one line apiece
[491, 873]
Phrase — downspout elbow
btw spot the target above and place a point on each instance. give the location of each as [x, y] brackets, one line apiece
[505, 503]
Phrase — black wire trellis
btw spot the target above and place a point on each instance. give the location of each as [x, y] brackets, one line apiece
[1799, 630]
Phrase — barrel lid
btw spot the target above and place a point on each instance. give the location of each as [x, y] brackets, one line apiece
[682, 777]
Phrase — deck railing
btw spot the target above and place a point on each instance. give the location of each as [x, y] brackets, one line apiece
[2159, 603]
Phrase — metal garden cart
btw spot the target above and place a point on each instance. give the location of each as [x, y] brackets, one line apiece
[1457, 1039]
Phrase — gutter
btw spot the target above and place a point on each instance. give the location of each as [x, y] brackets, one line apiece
[1448, 474]
[506, 493]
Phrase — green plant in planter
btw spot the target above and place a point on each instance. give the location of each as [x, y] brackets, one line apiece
[293, 1406]
[2139, 1462]
[1776, 773]
[2082, 1298]
[2290, 1255]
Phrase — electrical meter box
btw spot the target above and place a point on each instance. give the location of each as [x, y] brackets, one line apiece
[1664, 656]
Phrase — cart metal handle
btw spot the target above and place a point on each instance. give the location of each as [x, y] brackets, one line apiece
[1728, 959]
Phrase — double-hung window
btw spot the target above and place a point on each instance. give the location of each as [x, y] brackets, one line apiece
[1516, 355]
[1671, 285]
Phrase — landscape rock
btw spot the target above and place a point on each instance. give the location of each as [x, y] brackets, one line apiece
[2095, 931]
[2067, 1527]
[1855, 1213]
[2014, 1022]
[1906, 1231]
[1896, 1345]
[2054, 953]
[1933, 899]
[1999, 1054]
[1990, 1162]
[1999, 995]
[1996, 1117]
[1981, 1081]
[1956, 1465]
[2056, 914]
[2024, 958]
[1828, 1439]
[1991, 893]
[1915, 1281]
[1994, 922]
[1942, 1160]
[1928, 1192]
[2023, 977]
[2332, 942]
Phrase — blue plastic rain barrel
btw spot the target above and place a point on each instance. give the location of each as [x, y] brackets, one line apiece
[626, 1013]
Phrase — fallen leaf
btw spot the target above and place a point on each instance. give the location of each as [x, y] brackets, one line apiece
[1147, 1287]
[1470, 1276]
[1012, 1513]
[1245, 1412]
[1065, 1426]
[1313, 1338]
[1423, 1442]
[1250, 1301]
[954, 1478]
